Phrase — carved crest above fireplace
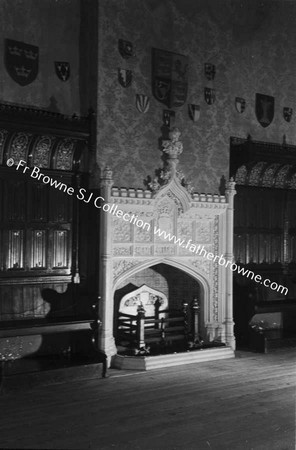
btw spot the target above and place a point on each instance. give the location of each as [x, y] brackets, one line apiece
[170, 225]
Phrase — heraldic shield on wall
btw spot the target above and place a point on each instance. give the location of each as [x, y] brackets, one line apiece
[194, 112]
[62, 69]
[240, 104]
[287, 113]
[125, 48]
[125, 77]
[142, 103]
[264, 109]
[169, 77]
[21, 61]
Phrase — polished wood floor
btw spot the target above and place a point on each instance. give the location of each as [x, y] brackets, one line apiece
[246, 403]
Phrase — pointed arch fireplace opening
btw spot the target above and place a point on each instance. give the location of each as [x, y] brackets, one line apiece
[166, 295]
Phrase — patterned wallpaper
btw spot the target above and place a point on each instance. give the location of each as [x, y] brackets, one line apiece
[53, 26]
[253, 47]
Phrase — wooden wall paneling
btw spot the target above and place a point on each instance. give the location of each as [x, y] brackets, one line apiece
[1, 252]
[275, 248]
[277, 207]
[239, 211]
[40, 306]
[240, 247]
[261, 248]
[34, 305]
[29, 301]
[292, 249]
[50, 250]
[237, 253]
[291, 215]
[267, 255]
[61, 242]
[60, 204]
[263, 219]
[15, 254]
[18, 302]
[5, 249]
[37, 202]
[253, 248]
[254, 211]
[15, 201]
[6, 304]
[36, 219]
[291, 208]
[1, 198]
[38, 249]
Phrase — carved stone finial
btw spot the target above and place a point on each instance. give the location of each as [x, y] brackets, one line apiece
[173, 147]
[230, 185]
[107, 174]
[230, 192]
[106, 180]
[154, 185]
[175, 134]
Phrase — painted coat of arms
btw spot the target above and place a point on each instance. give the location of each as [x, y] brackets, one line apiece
[125, 48]
[62, 69]
[210, 95]
[240, 104]
[210, 71]
[194, 112]
[125, 77]
[142, 103]
[169, 77]
[287, 113]
[21, 61]
[264, 109]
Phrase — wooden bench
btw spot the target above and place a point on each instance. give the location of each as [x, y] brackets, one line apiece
[45, 326]
[265, 340]
[50, 327]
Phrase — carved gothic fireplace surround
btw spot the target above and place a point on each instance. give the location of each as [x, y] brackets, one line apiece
[203, 221]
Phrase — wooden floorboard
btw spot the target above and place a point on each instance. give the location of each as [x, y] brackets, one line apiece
[239, 404]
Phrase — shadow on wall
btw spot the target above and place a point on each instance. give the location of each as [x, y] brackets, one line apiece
[53, 105]
[67, 306]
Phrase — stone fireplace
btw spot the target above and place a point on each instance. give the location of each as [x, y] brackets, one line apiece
[167, 232]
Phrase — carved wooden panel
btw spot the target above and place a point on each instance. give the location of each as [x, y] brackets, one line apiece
[38, 249]
[38, 204]
[36, 226]
[258, 225]
[42, 151]
[14, 200]
[19, 146]
[15, 255]
[60, 206]
[3, 137]
[265, 223]
[64, 154]
[36, 220]
[60, 248]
